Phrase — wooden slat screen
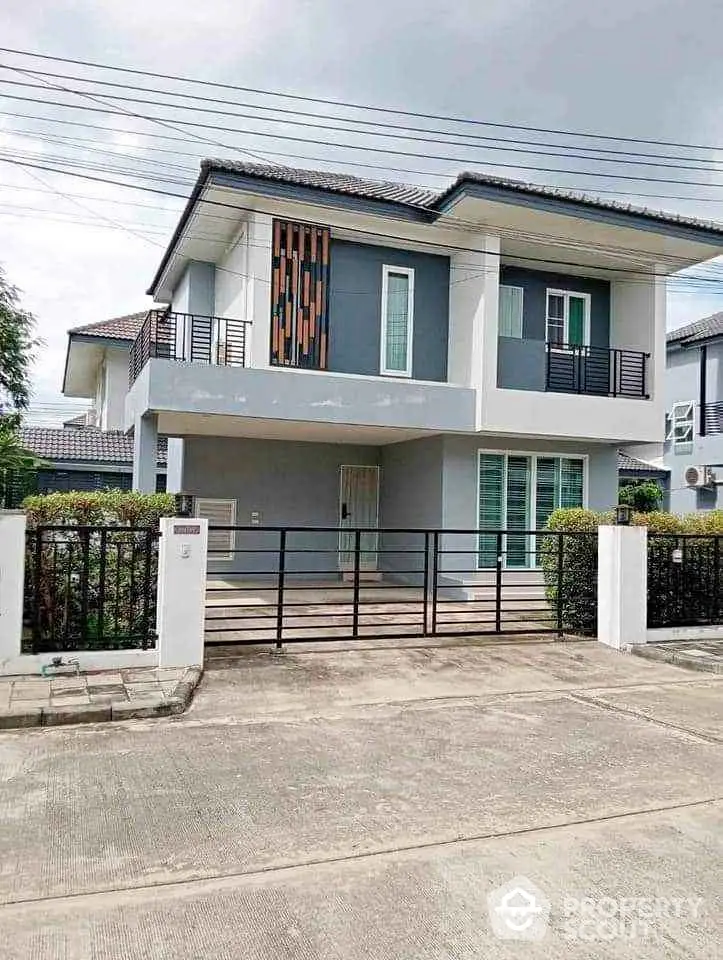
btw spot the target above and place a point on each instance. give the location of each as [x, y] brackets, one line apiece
[300, 295]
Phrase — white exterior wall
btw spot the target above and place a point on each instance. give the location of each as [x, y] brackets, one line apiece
[114, 371]
[231, 273]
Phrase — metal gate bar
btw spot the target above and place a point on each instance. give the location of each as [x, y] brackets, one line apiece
[293, 584]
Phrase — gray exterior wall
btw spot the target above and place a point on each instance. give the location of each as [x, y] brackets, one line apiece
[460, 486]
[411, 497]
[194, 292]
[682, 383]
[521, 363]
[355, 307]
[288, 484]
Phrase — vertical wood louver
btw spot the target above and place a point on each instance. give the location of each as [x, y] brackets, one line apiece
[300, 295]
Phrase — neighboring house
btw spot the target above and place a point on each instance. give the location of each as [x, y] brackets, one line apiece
[92, 451]
[85, 458]
[339, 351]
[633, 470]
[693, 448]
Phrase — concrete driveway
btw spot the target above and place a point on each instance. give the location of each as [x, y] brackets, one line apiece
[364, 804]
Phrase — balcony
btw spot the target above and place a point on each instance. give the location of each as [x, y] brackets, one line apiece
[189, 338]
[596, 371]
[711, 418]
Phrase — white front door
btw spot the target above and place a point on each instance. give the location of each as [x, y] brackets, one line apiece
[358, 509]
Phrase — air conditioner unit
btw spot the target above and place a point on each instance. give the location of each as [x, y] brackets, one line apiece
[699, 476]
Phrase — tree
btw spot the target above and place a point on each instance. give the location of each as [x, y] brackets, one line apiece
[644, 496]
[17, 348]
[17, 352]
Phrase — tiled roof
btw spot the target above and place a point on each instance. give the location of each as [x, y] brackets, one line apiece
[126, 327]
[335, 182]
[626, 462]
[425, 199]
[700, 330]
[87, 446]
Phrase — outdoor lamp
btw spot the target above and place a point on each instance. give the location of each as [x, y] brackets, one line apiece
[184, 504]
[623, 515]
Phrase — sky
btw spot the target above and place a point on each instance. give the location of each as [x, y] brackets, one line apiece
[82, 251]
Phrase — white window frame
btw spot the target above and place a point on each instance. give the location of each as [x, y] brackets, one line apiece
[681, 417]
[566, 294]
[513, 286]
[383, 368]
[533, 455]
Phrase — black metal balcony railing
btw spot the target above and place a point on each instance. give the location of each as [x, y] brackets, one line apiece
[189, 338]
[600, 371]
[711, 418]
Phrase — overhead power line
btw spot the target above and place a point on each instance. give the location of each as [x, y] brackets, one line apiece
[357, 106]
[640, 273]
[430, 135]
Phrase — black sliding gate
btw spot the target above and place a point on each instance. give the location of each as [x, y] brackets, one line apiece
[281, 585]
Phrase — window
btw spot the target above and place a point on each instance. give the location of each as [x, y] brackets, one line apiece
[510, 318]
[397, 321]
[680, 424]
[519, 492]
[567, 322]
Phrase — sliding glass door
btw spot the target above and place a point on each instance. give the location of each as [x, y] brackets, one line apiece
[518, 492]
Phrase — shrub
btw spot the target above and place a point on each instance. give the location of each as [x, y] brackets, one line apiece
[87, 589]
[645, 496]
[675, 591]
[99, 508]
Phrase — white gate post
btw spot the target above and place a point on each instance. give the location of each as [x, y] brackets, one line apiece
[12, 583]
[181, 591]
[622, 585]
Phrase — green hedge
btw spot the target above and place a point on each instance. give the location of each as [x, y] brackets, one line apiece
[665, 585]
[99, 508]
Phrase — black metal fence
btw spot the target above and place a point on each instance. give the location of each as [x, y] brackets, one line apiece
[601, 371]
[90, 588]
[293, 584]
[685, 579]
[188, 337]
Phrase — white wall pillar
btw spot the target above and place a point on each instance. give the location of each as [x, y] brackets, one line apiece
[145, 453]
[181, 614]
[12, 577]
[622, 584]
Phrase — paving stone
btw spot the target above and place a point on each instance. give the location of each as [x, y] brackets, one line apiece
[107, 690]
[67, 684]
[144, 689]
[22, 717]
[82, 713]
[30, 689]
[139, 675]
[28, 703]
[169, 673]
[111, 678]
[150, 696]
[70, 701]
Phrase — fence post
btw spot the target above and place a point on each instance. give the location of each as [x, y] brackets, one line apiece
[622, 612]
[181, 615]
[12, 583]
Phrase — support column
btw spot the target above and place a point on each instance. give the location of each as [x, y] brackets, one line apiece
[180, 620]
[12, 576]
[145, 453]
[622, 585]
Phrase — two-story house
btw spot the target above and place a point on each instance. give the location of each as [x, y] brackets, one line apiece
[92, 451]
[338, 351]
[693, 446]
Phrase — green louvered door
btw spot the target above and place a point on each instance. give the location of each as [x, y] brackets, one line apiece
[491, 505]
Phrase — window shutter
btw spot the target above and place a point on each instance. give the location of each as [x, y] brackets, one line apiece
[491, 504]
[571, 483]
[576, 323]
[510, 310]
[548, 487]
[518, 510]
[219, 513]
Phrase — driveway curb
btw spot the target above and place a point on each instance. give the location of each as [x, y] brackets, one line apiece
[51, 716]
[679, 658]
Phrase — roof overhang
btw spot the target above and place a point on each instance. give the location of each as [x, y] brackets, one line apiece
[82, 359]
[571, 230]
